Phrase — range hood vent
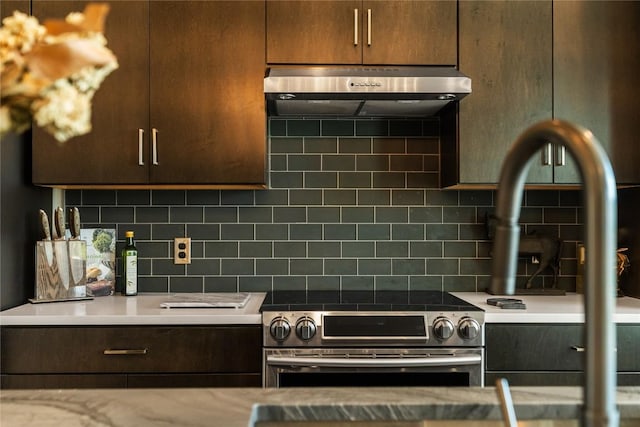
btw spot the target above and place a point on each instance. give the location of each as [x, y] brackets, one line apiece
[363, 92]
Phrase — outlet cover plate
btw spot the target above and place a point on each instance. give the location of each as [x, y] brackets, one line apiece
[182, 250]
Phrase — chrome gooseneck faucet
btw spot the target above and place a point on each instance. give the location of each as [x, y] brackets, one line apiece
[600, 241]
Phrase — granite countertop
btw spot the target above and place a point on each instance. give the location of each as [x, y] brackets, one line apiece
[143, 309]
[243, 407]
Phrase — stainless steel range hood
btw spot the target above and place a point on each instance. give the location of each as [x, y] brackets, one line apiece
[363, 92]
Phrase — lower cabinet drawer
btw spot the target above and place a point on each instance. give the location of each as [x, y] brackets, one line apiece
[193, 380]
[43, 381]
[533, 347]
[131, 349]
[31, 381]
[544, 354]
[536, 378]
[552, 347]
[554, 378]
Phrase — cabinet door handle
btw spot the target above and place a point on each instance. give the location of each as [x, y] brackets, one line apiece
[368, 27]
[561, 154]
[140, 147]
[124, 351]
[577, 348]
[547, 154]
[154, 139]
[355, 27]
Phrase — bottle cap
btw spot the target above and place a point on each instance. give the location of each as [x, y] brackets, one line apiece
[128, 234]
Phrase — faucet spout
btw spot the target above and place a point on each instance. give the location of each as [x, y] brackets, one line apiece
[600, 240]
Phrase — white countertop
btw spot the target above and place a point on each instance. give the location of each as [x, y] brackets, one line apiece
[567, 308]
[145, 309]
[135, 310]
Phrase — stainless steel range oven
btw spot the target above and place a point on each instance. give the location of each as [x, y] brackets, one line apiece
[386, 338]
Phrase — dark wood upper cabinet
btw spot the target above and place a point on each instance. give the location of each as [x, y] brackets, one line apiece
[596, 60]
[109, 154]
[506, 49]
[535, 60]
[362, 32]
[185, 108]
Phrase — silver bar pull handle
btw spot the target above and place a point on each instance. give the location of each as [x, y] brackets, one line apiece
[368, 27]
[407, 362]
[125, 351]
[547, 154]
[154, 139]
[561, 156]
[355, 27]
[140, 147]
[577, 348]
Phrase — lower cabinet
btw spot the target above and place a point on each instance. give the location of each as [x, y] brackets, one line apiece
[131, 356]
[550, 354]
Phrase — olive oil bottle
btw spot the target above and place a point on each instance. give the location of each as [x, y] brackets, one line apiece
[129, 266]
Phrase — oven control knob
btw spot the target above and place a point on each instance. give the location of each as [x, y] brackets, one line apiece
[443, 328]
[468, 328]
[305, 328]
[280, 329]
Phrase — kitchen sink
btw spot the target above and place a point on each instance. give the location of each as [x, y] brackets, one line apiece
[472, 415]
[431, 407]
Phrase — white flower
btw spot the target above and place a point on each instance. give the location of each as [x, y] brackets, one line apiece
[63, 111]
[19, 33]
[89, 79]
[5, 119]
[50, 78]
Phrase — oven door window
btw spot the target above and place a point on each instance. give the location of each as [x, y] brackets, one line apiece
[373, 379]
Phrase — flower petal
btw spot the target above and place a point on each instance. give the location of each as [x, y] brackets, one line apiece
[63, 59]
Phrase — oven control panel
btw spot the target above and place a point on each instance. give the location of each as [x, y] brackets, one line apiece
[338, 329]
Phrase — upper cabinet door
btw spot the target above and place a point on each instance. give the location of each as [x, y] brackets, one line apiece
[314, 32]
[207, 105]
[185, 108]
[596, 63]
[362, 32]
[410, 32]
[505, 47]
[120, 111]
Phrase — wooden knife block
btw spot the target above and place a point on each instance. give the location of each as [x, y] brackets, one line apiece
[61, 269]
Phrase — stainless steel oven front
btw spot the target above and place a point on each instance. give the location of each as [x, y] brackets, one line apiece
[327, 349]
[371, 367]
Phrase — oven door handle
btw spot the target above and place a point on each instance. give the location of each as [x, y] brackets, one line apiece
[338, 362]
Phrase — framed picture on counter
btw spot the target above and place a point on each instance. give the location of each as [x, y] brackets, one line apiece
[101, 260]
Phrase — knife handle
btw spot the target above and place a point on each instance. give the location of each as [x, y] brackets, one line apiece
[44, 223]
[74, 222]
[59, 223]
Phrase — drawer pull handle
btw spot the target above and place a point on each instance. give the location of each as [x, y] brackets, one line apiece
[154, 141]
[546, 155]
[355, 27]
[577, 348]
[140, 147]
[125, 352]
[561, 160]
[368, 27]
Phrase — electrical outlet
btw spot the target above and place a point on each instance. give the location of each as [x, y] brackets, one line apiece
[182, 250]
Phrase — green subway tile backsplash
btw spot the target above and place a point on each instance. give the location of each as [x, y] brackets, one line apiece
[303, 127]
[337, 127]
[352, 204]
[278, 127]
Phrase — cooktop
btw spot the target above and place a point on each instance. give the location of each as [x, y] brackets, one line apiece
[363, 300]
